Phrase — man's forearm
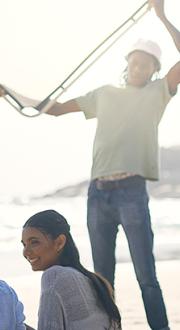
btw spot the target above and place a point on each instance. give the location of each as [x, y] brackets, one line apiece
[158, 6]
[58, 109]
[175, 33]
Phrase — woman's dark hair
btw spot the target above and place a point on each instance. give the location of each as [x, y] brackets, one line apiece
[53, 224]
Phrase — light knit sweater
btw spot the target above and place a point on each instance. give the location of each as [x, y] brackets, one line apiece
[69, 302]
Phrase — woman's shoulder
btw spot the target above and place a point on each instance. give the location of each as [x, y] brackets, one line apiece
[58, 270]
[59, 275]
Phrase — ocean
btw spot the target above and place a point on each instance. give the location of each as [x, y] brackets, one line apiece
[165, 215]
[39, 156]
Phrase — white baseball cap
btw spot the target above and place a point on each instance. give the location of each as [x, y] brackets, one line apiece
[149, 47]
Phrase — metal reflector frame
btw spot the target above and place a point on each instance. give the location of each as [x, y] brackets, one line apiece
[72, 36]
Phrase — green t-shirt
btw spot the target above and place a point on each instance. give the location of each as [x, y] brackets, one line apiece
[126, 138]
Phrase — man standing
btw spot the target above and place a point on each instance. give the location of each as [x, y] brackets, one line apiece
[125, 155]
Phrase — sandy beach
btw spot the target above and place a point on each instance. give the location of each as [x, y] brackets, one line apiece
[127, 294]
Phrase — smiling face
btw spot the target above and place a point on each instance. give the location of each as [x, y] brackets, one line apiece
[141, 67]
[40, 249]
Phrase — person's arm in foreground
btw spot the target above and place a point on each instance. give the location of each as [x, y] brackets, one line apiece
[158, 6]
[11, 309]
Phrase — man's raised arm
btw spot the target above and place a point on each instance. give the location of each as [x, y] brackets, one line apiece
[158, 6]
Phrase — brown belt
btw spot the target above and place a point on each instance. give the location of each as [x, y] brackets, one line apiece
[113, 177]
[112, 182]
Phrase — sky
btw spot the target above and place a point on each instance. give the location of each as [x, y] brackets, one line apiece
[41, 42]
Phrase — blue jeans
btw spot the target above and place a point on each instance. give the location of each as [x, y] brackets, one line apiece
[125, 202]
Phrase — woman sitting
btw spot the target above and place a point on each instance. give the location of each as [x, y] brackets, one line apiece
[71, 296]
